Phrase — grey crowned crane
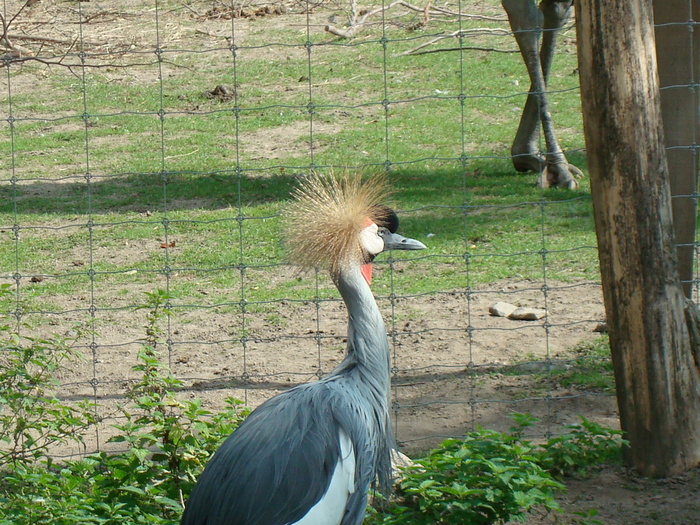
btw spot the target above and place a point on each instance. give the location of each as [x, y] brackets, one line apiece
[308, 456]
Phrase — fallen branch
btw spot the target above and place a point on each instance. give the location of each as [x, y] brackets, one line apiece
[356, 23]
[444, 11]
[456, 34]
[463, 48]
[11, 49]
[49, 40]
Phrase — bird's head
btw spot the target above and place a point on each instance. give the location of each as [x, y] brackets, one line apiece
[337, 221]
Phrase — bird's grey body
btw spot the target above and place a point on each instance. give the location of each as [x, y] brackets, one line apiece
[309, 455]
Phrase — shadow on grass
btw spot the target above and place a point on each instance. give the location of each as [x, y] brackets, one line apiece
[487, 182]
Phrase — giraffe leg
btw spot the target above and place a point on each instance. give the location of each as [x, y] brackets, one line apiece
[527, 21]
[558, 171]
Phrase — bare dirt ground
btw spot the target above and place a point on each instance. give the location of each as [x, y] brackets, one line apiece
[456, 365]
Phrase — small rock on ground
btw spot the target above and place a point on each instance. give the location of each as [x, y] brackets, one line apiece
[527, 314]
[501, 309]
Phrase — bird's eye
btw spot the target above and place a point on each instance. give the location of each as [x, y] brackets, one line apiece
[383, 232]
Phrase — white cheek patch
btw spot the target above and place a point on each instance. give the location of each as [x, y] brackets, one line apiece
[370, 239]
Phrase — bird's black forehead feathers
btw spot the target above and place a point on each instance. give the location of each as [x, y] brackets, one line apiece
[385, 217]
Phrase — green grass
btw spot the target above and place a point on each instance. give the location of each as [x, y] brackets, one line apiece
[592, 367]
[588, 368]
[97, 151]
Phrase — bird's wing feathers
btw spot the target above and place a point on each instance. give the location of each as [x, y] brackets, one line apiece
[371, 434]
[276, 465]
[331, 508]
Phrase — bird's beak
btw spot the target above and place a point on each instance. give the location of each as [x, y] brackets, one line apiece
[394, 241]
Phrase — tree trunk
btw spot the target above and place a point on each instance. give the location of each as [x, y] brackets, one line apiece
[653, 327]
[677, 50]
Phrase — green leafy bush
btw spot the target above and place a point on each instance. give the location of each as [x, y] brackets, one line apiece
[487, 477]
[32, 418]
[166, 443]
[492, 477]
[585, 444]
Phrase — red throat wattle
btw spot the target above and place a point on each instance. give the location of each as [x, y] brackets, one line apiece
[366, 270]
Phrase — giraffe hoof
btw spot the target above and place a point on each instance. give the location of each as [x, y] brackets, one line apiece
[560, 176]
[529, 162]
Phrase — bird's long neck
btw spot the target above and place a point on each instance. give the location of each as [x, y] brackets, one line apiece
[368, 347]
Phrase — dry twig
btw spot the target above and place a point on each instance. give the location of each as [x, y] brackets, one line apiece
[357, 21]
[11, 48]
[463, 33]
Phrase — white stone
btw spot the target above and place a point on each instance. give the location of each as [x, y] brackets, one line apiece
[501, 309]
[527, 314]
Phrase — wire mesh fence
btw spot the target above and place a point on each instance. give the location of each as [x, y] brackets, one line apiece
[151, 145]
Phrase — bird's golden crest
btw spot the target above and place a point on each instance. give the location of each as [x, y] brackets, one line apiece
[328, 212]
